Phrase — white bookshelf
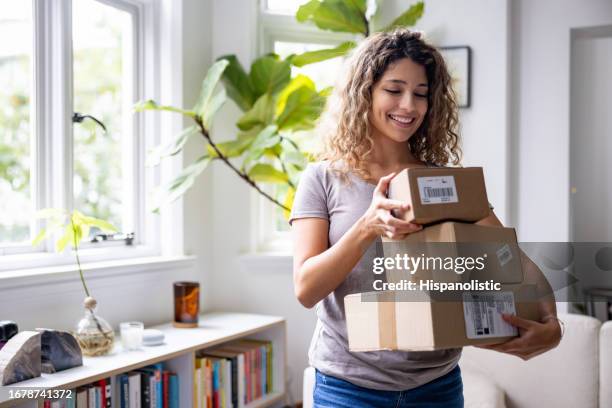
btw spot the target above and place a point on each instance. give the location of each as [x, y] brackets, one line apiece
[178, 353]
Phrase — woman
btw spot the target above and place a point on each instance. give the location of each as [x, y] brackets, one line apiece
[394, 110]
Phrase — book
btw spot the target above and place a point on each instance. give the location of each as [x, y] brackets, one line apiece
[197, 385]
[145, 389]
[81, 397]
[134, 389]
[166, 389]
[174, 391]
[124, 391]
[91, 397]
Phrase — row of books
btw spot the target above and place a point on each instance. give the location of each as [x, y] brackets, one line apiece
[234, 374]
[148, 387]
[95, 395]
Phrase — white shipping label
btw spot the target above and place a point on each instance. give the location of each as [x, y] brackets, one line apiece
[437, 190]
[504, 255]
[482, 312]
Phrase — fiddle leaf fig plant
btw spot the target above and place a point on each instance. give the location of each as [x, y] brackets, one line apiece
[276, 106]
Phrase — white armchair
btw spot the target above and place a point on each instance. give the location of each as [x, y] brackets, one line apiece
[578, 373]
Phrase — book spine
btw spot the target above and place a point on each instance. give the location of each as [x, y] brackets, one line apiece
[174, 391]
[166, 389]
[125, 391]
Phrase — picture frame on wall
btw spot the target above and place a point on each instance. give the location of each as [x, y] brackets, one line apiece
[459, 62]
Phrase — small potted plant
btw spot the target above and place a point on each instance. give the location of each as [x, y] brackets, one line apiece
[93, 333]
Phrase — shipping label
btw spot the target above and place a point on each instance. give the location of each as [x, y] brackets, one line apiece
[482, 312]
[504, 255]
[437, 190]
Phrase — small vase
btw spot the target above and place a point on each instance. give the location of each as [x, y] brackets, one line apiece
[94, 334]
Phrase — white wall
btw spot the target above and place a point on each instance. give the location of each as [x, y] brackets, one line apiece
[541, 110]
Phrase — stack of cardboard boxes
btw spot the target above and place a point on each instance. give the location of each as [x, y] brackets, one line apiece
[449, 282]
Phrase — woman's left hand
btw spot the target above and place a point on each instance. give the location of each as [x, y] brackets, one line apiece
[534, 337]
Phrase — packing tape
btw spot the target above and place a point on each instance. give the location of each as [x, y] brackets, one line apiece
[386, 325]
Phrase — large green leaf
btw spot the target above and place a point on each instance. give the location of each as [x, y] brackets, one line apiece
[295, 158]
[152, 105]
[171, 148]
[340, 16]
[208, 86]
[266, 173]
[267, 138]
[213, 107]
[303, 108]
[238, 84]
[297, 82]
[262, 113]
[360, 5]
[311, 57]
[409, 17]
[269, 74]
[67, 238]
[306, 11]
[288, 202]
[183, 182]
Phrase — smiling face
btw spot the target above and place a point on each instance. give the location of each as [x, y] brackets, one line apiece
[399, 101]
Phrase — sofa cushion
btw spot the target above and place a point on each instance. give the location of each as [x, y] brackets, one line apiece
[567, 376]
[479, 391]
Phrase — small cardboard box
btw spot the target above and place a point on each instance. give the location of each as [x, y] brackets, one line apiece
[437, 194]
[496, 247]
[378, 321]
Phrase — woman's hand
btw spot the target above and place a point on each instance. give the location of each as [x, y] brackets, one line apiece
[534, 337]
[378, 219]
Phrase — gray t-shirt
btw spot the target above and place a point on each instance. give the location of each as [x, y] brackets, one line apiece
[322, 194]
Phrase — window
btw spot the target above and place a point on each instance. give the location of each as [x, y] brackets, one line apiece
[16, 195]
[282, 34]
[69, 137]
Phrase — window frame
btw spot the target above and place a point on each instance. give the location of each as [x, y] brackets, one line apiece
[273, 27]
[52, 140]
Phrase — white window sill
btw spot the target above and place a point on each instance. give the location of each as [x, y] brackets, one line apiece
[266, 262]
[94, 270]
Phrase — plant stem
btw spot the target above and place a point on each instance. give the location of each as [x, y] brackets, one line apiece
[241, 174]
[76, 253]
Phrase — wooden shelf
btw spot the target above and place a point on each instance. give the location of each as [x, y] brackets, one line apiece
[178, 351]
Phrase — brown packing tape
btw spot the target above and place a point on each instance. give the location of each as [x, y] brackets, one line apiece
[386, 323]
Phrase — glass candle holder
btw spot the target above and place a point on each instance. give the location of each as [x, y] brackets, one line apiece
[131, 335]
[186, 304]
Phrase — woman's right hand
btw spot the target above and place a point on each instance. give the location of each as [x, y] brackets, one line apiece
[379, 220]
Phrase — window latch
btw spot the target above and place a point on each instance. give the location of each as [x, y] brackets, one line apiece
[78, 117]
[120, 236]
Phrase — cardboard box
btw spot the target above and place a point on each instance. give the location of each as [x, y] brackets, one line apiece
[498, 246]
[421, 318]
[437, 194]
[377, 321]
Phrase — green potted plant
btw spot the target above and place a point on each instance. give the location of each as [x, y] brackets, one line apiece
[275, 106]
[94, 334]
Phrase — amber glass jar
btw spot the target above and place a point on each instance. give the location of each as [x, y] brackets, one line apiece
[186, 304]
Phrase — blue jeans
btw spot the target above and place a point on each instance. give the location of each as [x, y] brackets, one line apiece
[446, 391]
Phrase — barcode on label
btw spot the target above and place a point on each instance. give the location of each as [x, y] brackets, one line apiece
[482, 312]
[437, 190]
[504, 255]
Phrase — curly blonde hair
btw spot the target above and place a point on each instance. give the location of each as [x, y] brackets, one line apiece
[345, 125]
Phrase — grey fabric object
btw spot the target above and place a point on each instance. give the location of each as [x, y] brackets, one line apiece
[322, 194]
